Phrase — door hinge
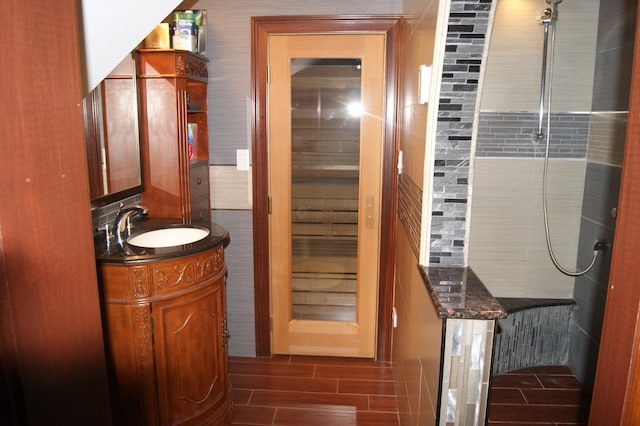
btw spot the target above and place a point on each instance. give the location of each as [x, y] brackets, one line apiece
[268, 73]
[269, 204]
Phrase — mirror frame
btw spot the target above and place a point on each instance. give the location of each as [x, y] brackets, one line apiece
[94, 129]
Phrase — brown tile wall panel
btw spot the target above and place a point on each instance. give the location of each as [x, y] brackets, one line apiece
[416, 360]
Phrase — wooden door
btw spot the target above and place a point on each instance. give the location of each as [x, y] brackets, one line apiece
[325, 124]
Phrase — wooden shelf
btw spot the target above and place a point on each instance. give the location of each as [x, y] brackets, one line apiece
[176, 184]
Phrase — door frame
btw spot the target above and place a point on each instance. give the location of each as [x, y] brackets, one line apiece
[261, 29]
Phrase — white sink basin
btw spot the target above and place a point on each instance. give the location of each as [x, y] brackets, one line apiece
[168, 237]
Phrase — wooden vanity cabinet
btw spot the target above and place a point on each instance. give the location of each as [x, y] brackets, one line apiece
[165, 326]
[174, 134]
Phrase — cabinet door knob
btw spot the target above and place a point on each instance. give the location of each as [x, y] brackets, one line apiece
[199, 181]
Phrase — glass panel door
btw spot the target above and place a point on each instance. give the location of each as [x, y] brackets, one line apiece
[325, 152]
[325, 133]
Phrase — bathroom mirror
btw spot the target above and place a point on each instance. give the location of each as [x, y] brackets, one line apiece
[111, 117]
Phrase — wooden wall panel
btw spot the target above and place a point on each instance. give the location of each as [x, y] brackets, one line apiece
[617, 361]
[52, 354]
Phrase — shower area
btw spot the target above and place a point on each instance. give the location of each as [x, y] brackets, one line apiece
[546, 173]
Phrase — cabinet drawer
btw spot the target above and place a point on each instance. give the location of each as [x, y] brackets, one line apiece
[200, 211]
[199, 180]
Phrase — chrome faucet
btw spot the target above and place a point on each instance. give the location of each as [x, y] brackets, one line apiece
[122, 221]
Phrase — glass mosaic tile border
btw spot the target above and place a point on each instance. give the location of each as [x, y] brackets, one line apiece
[509, 134]
[466, 39]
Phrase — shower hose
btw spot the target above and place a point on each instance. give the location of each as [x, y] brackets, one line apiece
[598, 245]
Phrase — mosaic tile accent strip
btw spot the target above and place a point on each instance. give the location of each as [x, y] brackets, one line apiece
[466, 37]
[107, 214]
[410, 210]
[466, 372]
[533, 336]
[509, 134]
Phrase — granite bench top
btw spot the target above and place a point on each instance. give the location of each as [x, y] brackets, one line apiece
[458, 293]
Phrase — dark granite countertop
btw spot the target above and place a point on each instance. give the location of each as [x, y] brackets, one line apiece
[458, 293]
[125, 253]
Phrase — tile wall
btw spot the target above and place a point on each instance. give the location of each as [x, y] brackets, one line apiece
[107, 214]
[416, 361]
[509, 134]
[512, 77]
[465, 380]
[416, 342]
[507, 246]
[239, 260]
[614, 51]
[589, 120]
[410, 210]
[535, 333]
[417, 353]
[464, 50]
[602, 185]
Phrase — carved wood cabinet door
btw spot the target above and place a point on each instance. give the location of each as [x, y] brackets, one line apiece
[190, 338]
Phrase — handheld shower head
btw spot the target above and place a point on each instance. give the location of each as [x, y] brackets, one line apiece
[546, 16]
[549, 15]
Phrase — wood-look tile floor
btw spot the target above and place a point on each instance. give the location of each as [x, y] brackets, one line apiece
[540, 396]
[318, 391]
[312, 391]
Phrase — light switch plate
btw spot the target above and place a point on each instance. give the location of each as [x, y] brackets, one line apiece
[424, 84]
[242, 159]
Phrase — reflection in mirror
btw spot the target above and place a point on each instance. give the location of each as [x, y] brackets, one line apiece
[112, 136]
